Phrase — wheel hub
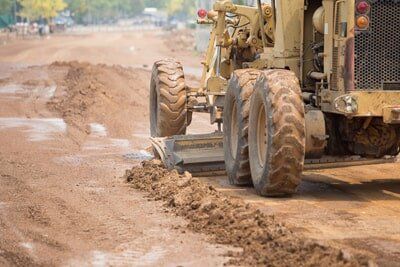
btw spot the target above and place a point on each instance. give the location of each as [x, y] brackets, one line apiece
[234, 131]
[262, 136]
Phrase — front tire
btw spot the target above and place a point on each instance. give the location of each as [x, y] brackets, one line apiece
[276, 133]
[168, 113]
[236, 120]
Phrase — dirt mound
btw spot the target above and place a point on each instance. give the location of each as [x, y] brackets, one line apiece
[111, 95]
[263, 240]
[183, 40]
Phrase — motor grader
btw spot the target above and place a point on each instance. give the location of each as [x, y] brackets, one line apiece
[292, 85]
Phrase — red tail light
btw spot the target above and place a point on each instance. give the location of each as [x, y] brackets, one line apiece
[363, 13]
[202, 13]
[363, 7]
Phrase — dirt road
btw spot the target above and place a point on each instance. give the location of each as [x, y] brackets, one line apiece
[126, 49]
[68, 132]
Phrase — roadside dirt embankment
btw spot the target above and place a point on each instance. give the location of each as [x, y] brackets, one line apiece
[261, 239]
[114, 96]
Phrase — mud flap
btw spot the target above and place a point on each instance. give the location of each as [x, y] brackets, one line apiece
[201, 154]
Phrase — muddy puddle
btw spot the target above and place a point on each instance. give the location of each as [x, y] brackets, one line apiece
[128, 257]
[139, 155]
[106, 143]
[10, 89]
[98, 129]
[16, 91]
[38, 129]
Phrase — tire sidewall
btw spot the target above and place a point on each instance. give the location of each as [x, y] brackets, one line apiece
[233, 95]
[154, 103]
[161, 124]
[260, 99]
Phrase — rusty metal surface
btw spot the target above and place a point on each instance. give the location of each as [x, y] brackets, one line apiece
[367, 103]
[315, 133]
[348, 73]
[391, 115]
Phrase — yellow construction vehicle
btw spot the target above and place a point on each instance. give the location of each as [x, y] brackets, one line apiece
[296, 84]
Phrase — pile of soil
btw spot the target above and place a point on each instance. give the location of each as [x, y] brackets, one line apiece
[114, 96]
[182, 40]
[263, 240]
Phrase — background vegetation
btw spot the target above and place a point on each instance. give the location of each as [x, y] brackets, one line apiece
[97, 10]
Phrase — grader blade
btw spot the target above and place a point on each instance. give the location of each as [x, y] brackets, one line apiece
[201, 154]
[330, 162]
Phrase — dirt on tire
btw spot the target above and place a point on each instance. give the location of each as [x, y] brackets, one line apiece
[168, 99]
[278, 94]
[261, 239]
[238, 96]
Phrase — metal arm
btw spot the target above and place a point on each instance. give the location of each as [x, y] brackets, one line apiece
[261, 18]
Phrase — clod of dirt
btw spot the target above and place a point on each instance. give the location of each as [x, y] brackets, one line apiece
[264, 240]
[19, 258]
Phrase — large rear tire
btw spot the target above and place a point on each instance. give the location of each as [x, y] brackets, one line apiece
[168, 114]
[276, 133]
[236, 120]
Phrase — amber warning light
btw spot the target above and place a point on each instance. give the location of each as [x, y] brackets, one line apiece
[362, 22]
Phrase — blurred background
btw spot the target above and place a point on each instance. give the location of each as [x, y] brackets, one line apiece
[30, 18]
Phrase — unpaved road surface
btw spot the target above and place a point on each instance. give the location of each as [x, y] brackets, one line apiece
[68, 132]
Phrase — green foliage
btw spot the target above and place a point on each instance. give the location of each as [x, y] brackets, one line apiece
[240, 2]
[161, 4]
[35, 9]
[98, 10]
[182, 8]
[6, 6]
[79, 6]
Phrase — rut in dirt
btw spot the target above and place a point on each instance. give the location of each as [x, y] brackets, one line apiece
[262, 239]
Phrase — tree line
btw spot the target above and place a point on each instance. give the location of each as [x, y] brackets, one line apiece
[97, 9]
